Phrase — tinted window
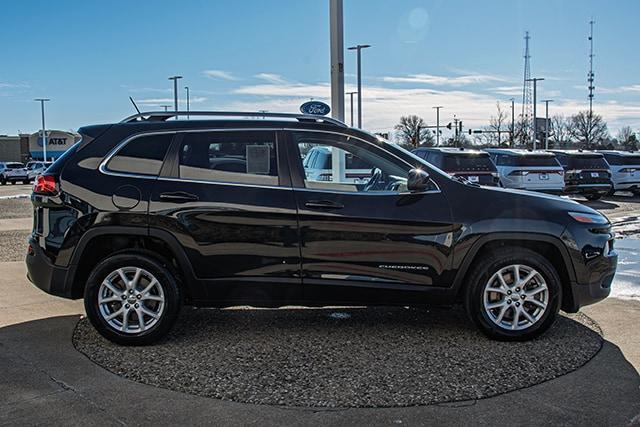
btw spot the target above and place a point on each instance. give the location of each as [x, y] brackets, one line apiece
[535, 161]
[389, 175]
[587, 162]
[467, 162]
[234, 157]
[14, 165]
[628, 160]
[141, 156]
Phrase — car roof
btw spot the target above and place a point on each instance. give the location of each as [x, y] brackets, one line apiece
[519, 152]
[577, 152]
[620, 153]
[450, 150]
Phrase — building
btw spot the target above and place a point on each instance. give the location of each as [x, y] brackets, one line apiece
[14, 148]
[58, 141]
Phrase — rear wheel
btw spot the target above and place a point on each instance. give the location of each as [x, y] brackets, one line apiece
[132, 299]
[513, 294]
[25, 181]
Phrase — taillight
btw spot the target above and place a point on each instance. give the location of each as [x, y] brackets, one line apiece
[45, 184]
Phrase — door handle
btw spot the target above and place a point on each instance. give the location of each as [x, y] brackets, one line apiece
[323, 204]
[179, 197]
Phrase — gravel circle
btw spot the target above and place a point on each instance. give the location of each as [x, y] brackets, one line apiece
[346, 357]
[14, 245]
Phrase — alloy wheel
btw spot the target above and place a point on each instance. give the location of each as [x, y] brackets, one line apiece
[131, 300]
[515, 297]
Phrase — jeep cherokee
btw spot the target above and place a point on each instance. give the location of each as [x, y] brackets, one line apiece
[145, 215]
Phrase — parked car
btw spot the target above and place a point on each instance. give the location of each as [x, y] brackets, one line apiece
[318, 165]
[13, 172]
[528, 170]
[36, 168]
[138, 219]
[625, 170]
[585, 172]
[474, 165]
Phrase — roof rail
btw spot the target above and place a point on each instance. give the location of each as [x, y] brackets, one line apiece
[162, 116]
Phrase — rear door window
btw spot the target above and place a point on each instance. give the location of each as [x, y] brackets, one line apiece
[232, 157]
[141, 156]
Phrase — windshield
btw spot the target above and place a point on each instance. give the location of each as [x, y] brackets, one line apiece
[532, 161]
[587, 162]
[468, 162]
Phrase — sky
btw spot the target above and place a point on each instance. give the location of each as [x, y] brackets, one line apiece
[90, 56]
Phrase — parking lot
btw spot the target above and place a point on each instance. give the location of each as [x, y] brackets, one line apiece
[293, 359]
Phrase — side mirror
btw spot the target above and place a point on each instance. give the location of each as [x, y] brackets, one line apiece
[418, 180]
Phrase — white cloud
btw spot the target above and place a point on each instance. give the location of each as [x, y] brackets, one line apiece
[270, 78]
[507, 90]
[455, 81]
[219, 74]
[620, 89]
[383, 106]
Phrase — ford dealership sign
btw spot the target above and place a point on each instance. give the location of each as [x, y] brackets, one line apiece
[315, 108]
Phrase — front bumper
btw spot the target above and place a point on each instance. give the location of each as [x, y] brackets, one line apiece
[48, 277]
[598, 286]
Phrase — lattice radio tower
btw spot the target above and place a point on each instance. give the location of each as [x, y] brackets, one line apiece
[527, 93]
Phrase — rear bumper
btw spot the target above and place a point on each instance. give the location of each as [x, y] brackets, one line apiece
[587, 188]
[46, 276]
[631, 185]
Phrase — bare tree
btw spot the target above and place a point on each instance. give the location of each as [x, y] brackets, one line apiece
[624, 135]
[497, 125]
[560, 131]
[412, 132]
[588, 128]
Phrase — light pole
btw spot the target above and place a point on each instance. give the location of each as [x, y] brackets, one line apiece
[535, 101]
[351, 103]
[187, 89]
[513, 122]
[44, 129]
[175, 92]
[438, 124]
[546, 123]
[358, 48]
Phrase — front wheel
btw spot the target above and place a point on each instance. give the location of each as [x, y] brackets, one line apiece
[513, 294]
[132, 299]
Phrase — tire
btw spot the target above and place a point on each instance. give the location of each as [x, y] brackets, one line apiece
[497, 324]
[3, 181]
[26, 182]
[163, 299]
[593, 197]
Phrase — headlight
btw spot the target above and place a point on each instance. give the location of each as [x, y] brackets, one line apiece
[588, 218]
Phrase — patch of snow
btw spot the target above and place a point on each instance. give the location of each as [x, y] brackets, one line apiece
[16, 196]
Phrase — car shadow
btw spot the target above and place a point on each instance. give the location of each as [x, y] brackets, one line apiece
[601, 205]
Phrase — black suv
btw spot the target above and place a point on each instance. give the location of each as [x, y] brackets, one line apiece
[142, 216]
[585, 172]
[473, 165]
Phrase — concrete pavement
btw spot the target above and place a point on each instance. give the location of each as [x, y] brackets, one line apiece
[43, 379]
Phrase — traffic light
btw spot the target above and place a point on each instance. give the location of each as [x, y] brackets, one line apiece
[449, 126]
[460, 123]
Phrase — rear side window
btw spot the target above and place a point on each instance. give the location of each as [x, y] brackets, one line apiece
[233, 157]
[141, 156]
